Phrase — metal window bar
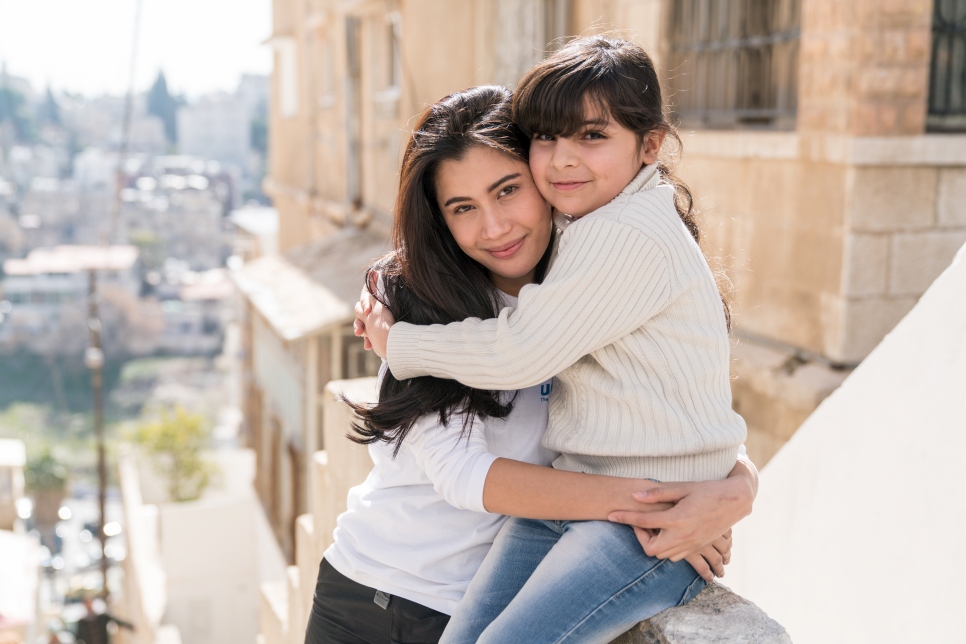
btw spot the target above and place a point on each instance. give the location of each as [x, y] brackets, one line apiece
[734, 63]
[947, 73]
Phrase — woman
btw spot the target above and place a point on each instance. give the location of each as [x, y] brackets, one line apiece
[470, 231]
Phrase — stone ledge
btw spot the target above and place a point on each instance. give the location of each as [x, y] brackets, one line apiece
[716, 615]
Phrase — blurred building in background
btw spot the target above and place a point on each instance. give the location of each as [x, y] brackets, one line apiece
[821, 141]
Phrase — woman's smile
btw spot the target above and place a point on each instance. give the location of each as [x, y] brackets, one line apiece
[507, 250]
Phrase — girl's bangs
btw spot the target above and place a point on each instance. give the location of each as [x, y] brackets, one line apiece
[555, 105]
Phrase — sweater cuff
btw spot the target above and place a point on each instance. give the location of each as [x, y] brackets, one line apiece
[476, 481]
[402, 350]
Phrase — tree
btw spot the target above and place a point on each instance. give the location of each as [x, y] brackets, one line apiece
[46, 481]
[164, 106]
[14, 109]
[49, 111]
[175, 442]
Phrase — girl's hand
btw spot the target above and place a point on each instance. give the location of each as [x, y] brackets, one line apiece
[373, 322]
[702, 512]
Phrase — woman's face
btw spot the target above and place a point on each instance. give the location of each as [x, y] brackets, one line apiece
[496, 214]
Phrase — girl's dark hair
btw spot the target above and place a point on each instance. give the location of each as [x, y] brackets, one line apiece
[428, 279]
[618, 78]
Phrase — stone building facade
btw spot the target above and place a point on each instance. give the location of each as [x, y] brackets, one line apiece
[825, 163]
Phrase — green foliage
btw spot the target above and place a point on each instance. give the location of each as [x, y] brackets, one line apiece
[175, 442]
[44, 473]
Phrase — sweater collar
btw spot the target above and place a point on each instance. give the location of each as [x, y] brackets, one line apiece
[647, 177]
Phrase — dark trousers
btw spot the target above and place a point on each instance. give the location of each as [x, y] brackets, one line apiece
[344, 612]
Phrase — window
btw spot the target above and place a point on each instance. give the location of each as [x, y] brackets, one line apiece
[734, 63]
[525, 31]
[287, 75]
[387, 58]
[947, 73]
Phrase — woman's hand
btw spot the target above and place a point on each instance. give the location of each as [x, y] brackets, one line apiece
[702, 513]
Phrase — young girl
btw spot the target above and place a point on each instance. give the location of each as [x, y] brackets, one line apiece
[470, 230]
[630, 322]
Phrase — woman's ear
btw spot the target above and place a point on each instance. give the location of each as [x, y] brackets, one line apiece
[651, 148]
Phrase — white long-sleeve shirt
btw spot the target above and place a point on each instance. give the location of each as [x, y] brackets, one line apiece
[630, 322]
[417, 527]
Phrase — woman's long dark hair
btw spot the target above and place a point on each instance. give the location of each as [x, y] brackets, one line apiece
[428, 279]
[619, 79]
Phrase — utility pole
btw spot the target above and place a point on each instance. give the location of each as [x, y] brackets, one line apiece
[94, 360]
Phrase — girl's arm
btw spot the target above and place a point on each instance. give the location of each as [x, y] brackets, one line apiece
[702, 512]
[534, 492]
[608, 279]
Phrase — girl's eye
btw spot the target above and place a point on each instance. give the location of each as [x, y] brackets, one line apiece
[594, 136]
[543, 137]
[507, 190]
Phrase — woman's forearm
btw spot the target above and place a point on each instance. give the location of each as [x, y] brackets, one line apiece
[535, 492]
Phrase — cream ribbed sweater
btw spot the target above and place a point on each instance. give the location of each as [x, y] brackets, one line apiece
[630, 321]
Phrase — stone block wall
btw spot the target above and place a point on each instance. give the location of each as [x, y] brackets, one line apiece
[864, 66]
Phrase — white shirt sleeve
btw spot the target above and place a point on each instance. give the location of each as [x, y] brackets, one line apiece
[456, 465]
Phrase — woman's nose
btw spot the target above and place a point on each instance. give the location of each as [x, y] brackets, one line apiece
[495, 224]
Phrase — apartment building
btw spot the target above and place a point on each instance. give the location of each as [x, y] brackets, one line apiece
[822, 141]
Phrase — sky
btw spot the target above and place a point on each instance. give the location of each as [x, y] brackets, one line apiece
[84, 46]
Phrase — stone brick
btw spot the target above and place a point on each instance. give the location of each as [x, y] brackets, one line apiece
[912, 83]
[867, 321]
[865, 118]
[893, 46]
[867, 46]
[951, 200]
[885, 199]
[914, 118]
[917, 259]
[917, 45]
[866, 264]
[888, 119]
[878, 82]
[715, 616]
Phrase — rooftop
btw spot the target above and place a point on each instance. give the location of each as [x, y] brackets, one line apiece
[12, 453]
[313, 287]
[72, 259]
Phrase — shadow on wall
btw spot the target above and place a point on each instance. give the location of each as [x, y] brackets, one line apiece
[865, 487]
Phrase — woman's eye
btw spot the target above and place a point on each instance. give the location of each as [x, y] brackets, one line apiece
[459, 210]
[507, 190]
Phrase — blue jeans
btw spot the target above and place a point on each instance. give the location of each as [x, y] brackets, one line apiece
[566, 581]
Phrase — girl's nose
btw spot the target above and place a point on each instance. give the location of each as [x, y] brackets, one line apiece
[564, 153]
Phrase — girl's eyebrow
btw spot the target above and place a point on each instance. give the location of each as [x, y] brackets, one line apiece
[493, 187]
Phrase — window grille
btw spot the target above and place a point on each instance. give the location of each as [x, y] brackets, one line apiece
[734, 63]
[947, 74]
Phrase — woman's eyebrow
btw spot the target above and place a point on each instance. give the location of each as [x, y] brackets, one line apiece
[493, 187]
[503, 180]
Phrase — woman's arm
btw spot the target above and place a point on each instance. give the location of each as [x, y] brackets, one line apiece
[702, 512]
[534, 492]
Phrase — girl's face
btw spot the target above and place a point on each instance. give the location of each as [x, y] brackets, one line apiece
[580, 173]
[496, 214]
